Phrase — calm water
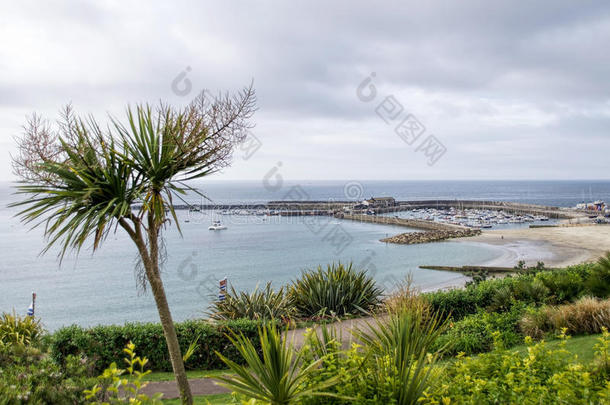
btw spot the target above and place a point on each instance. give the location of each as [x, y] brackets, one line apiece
[101, 288]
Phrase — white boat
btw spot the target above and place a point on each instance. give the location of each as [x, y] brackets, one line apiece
[217, 226]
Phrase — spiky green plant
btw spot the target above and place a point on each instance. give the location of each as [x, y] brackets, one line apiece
[399, 347]
[17, 330]
[335, 290]
[277, 376]
[265, 304]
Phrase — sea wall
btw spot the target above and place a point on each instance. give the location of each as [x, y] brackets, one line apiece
[410, 223]
[293, 207]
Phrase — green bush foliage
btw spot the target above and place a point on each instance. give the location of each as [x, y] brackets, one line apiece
[532, 287]
[457, 303]
[530, 290]
[392, 366]
[335, 290]
[474, 333]
[29, 376]
[598, 283]
[123, 386]
[371, 373]
[479, 310]
[563, 285]
[544, 375]
[104, 344]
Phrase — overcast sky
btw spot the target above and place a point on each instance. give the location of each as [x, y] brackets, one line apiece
[511, 90]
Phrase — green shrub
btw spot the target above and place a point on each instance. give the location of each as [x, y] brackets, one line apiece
[530, 290]
[502, 300]
[535, 287]
[28, 376]
[336, 365]
[474, 333]
[259, 304]
[598, 282]
[104, 344]
[337, 290]
[15, 329]
[457, 303]
[394, 365]
[564, 285]
[123, 386]
[545, 375]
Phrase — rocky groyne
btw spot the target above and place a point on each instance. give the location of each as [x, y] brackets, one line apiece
[411, 238]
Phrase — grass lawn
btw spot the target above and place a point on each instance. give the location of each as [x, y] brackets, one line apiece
[216, 399]
[580, 345]
[168, 376]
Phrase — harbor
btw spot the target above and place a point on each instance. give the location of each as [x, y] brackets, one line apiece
[438, 219]
[263, 232]
[443, 209]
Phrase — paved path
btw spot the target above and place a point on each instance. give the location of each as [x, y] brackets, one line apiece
[208, 386]
[344, 328]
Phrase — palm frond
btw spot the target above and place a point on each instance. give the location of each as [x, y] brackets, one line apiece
[277, 375]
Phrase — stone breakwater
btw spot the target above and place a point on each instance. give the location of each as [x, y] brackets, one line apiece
[409, 223]
[411, 238]
[433, 231]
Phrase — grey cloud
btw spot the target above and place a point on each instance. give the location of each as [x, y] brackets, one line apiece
[443, 60]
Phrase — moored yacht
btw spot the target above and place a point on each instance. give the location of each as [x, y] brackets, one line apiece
[217, 226]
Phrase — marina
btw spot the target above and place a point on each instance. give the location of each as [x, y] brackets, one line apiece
[472, 218]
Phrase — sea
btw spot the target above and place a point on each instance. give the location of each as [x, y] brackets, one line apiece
[90, 288]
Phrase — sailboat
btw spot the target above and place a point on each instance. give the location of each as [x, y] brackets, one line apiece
[217, 226]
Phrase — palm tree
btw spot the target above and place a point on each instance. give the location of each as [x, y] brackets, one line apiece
[82, 182]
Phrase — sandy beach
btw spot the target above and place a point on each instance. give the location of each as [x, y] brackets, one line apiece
[555, 246]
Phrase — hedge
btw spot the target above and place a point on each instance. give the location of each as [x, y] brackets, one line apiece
[552, 287]
[104, 344]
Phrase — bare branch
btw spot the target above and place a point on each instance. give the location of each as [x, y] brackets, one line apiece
[39, 144]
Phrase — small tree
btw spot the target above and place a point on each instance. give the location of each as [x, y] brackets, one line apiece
[82, 182]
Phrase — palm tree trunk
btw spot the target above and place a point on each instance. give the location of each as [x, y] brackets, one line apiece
[150, 259]
[175, 355]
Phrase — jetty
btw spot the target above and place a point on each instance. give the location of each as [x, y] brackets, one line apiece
[406, 222]
[472, 269]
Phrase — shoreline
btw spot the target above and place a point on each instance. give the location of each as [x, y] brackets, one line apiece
[555, 246]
